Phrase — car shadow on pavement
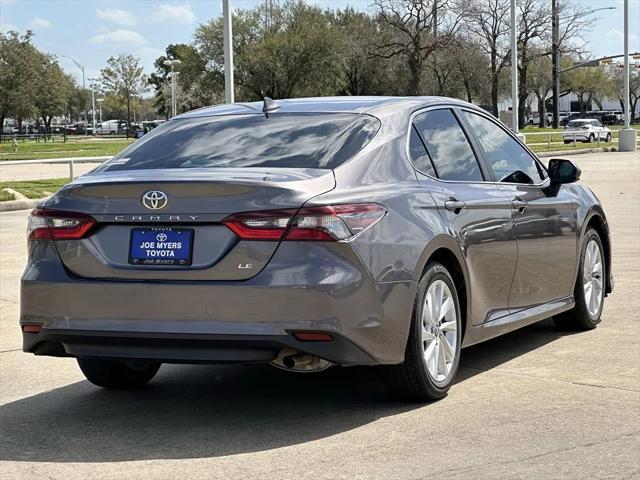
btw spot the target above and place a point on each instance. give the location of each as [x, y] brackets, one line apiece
[202, 411]
[488, 355]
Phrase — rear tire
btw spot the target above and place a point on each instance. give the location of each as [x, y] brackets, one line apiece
[589, 289]
[118, 374]
[592, 138]
[608, 139]
[432, 354]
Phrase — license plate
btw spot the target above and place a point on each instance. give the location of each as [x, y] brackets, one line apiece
[161, 246]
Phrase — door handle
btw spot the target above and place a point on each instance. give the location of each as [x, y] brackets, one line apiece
[454, 205]
[519, 205]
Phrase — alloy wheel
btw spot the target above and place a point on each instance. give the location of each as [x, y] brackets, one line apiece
[439, 331]
[592, 278]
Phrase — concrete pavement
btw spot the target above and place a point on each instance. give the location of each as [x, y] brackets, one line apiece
[536, 403]
[42, 171]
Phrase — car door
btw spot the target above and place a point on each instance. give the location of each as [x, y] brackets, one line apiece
[545, 221]
[477, 211]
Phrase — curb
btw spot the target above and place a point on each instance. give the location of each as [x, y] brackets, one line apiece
[26, 204]
[580, 151]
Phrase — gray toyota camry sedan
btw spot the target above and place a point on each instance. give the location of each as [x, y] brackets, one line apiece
[310, 233]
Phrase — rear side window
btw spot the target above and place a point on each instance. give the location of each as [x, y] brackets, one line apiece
[418, 153]
[448, 146]
[509, 161]
[301, 140]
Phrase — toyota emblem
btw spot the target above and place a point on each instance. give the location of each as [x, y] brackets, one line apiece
[155, 199]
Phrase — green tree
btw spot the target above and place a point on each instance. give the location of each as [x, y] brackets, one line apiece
[357, 69]
[195, 86]
[77, 99]
[53, 88]
[590, 84]
[616, 79]
[19, 62]
[281, 52]
[124, 78]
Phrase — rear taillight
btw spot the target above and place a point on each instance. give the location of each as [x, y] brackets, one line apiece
[58, 225]
[320, 224]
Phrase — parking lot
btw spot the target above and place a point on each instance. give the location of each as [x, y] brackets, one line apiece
[536, 403]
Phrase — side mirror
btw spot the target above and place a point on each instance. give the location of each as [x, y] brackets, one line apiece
[563, 171]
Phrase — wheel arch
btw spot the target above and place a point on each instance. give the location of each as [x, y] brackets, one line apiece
[445, 250]
[595, 219]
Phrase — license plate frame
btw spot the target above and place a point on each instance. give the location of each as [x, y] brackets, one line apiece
[182, 257]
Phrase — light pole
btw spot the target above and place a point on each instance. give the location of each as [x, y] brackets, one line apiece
[555, 55]
[93, 104]
[172, 64]
[84, 86]
[627, 136]
[228, 52]
[100, 100]
[514, 69]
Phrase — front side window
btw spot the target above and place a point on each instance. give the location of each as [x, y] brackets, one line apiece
[508, 160]
[448, 146]
[290, 140]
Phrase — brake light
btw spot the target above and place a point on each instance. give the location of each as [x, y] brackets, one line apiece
[58, 225]
[320, 224]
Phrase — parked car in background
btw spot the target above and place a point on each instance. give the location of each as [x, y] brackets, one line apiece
[149, 125]
[564, 120]
[112, 127]
[586, 130]
[309, 233]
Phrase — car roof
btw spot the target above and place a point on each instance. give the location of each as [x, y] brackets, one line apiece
[346, 104]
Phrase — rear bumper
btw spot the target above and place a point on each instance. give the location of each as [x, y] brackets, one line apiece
[186, 348]
[221, 321]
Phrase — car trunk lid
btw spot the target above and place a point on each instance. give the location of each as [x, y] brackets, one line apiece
[196, 202]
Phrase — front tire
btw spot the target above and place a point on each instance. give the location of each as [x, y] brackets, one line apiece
[589, 289]
[432, 354]
[118, 374]
[592, 138]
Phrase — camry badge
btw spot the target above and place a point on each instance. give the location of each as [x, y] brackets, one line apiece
[154, 199]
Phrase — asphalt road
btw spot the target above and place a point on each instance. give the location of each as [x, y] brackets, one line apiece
[536, 403]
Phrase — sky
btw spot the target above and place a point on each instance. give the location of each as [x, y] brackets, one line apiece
[92, 31]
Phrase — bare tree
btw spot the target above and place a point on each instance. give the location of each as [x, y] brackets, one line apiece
[541, 84]
[488, 22]
[417, 29]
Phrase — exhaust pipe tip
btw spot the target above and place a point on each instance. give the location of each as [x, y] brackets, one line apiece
[294, 361]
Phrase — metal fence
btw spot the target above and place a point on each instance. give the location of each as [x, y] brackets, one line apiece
[54, 137]
[558, 138]
[70, 161]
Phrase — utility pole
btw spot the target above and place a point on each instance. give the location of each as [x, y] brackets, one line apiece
[627, 139]
[93, 105]
[100, 100]
[627, 103]
[434, 15]
[228, 52]
[172, 64]
[84, 86]
[514, 69]
[555, 48]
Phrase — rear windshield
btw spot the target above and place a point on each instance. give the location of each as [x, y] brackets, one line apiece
[254, 140]
[580, 123]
